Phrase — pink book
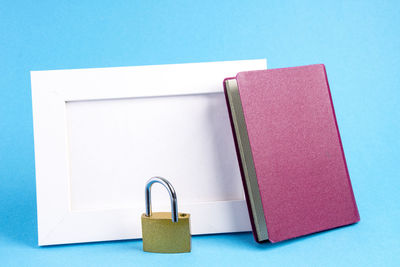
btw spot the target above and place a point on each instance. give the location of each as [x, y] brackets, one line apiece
[290, 154]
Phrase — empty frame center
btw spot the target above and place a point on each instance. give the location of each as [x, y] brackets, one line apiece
[116, 145]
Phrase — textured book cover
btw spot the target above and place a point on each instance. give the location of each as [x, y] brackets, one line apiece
[289, 150]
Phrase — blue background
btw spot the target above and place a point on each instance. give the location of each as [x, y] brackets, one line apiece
[359, 41]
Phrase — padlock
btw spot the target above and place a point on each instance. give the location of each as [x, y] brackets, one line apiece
[165, 232]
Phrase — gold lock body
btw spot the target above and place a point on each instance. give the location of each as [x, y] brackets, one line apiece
[162, 235]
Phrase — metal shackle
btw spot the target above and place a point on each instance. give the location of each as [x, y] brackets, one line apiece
[172, 194]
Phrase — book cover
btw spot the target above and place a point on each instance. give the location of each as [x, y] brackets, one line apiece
[290, 153]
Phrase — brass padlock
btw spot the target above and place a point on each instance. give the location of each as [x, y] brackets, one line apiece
[165, 232]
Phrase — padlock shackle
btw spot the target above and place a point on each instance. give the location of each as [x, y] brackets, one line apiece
[172, 194]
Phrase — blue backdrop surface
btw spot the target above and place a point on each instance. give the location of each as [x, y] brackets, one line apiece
[358, 41]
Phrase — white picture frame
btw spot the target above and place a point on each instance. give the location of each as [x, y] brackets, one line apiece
[91, 124]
